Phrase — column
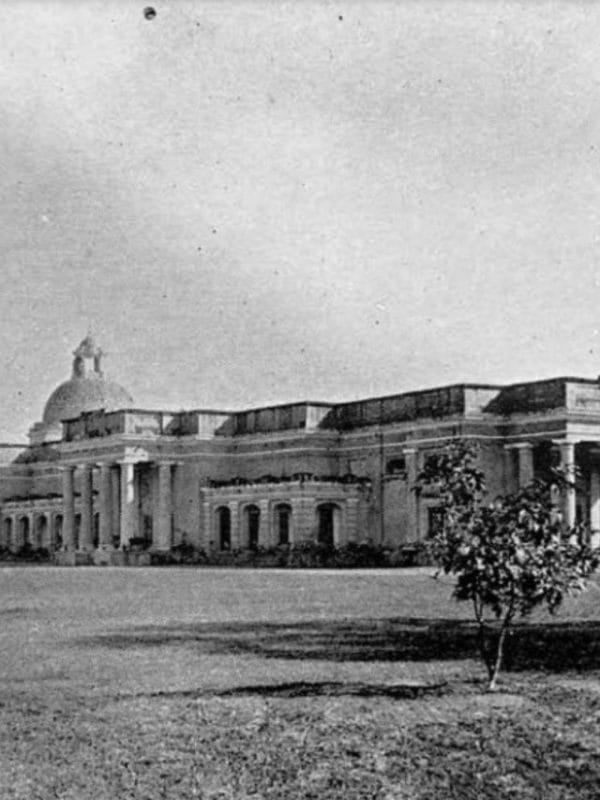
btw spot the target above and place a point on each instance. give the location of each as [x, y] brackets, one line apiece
[235, 524]
[525, 456]
[209, 539]
[86, 533]
[128, 522]
[567, 461]
[508, 470]
[105, 528]
[264, 530]
[412, 471]
[115, 495]
[68, 531]
[162, 533]
[338, 527]
[294, 522]
[595, 506]
[302, 528]
[351, 519]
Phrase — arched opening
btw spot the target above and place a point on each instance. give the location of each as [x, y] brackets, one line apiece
[283, 516]
[58, 525]
[8, 532]
[328, 522]
[224, 528]
[24, 532]
[40, 531]
[77, 531]
[252, 526]
[96, 530]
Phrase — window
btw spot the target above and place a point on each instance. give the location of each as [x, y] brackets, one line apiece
[252, 518]
[224, 528]
[435, 520]
[397, 466]
[283, 514]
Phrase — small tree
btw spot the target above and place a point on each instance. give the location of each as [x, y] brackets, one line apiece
[510, 555]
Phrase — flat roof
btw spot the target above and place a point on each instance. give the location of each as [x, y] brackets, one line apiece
[336, 405]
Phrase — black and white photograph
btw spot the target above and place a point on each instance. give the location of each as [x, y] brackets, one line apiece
[300, 400]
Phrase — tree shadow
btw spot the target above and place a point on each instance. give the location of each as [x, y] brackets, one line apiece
[395, 691]
[555, 647]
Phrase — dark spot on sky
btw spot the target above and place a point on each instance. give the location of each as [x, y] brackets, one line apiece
[214, 230]
[149, 12]
[340, 18]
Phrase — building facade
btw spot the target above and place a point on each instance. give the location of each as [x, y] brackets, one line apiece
[102, 479]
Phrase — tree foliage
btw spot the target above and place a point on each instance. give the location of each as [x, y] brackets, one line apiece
[508, 556]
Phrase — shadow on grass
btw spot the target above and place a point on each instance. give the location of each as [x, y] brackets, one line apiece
[554, 647]
[396, 691]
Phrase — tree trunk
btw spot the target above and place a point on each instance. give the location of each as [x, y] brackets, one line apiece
[498, 661]
[483, 649]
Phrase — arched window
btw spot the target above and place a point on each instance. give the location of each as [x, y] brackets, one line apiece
[77, 531]
[252, 526]
[283, 515]
[58, 523]
[224, 527]
[8, 532]
[435, 520]
[96, 529]
[40, 530]
[24, 533]
[328, 521]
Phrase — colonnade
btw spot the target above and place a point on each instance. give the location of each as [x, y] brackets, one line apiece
[566, 449]
[118, 506]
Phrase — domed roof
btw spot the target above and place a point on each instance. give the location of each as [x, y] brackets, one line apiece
[86, 390]
[88, 393]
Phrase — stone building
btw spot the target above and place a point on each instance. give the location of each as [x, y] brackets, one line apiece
[103, 479]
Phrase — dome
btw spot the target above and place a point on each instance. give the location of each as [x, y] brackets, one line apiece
[86, 390]
[88, 393]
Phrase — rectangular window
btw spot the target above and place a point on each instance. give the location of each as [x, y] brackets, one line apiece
[435, 520]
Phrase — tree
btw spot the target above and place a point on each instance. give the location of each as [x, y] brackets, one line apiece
[508, 556]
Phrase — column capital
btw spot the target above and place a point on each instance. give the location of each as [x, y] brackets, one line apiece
[519, 446]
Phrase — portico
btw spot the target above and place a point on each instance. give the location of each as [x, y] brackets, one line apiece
[116, 501]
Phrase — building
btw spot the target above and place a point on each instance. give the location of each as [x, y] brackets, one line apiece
[103, 481]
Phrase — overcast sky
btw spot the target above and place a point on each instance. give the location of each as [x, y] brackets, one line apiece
[254, 202]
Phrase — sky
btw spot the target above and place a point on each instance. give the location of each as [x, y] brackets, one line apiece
[255, 202]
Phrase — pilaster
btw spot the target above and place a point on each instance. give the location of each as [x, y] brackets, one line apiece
[86, 532]
[128, 521]
[105, 529]
[164, 527]
[68, 530]
[411, 455]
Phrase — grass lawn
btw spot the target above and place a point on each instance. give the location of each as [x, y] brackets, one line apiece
[175, 683]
